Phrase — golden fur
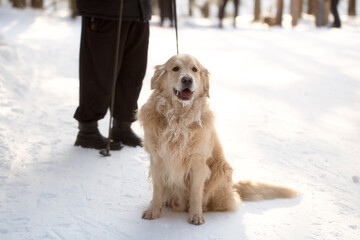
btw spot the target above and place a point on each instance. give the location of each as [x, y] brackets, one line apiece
[187, 165]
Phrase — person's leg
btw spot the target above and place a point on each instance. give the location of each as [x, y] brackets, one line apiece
[162, 11]
[335, 13]
[221, 12]
[236, 11]
[132, 71]
[129, 82]
[98, 39]
[171, 13]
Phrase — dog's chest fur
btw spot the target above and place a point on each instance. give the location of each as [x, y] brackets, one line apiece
[175, 136]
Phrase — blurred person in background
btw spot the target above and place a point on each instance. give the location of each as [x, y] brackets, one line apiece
[335, 13]
[222, 11]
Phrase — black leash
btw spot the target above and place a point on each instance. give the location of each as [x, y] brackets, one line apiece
[106, 152]
[176, 26]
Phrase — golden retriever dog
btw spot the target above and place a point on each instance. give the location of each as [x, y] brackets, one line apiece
[187, 165]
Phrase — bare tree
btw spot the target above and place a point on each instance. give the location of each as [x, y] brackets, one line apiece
[321, 11]
[295, 10]
[352, 8]
[279, 12]
[191, 5]
[310, 7]
[19, 3]
[37, 3]
[301, 7]
[205, 9]
[257, 10]
[73, 8]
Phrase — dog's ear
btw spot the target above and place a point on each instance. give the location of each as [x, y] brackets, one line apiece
[159, 72]
[206, 80]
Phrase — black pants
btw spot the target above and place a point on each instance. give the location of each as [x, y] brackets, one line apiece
[97, 55]
[166, 11]
[222, 8]
[335, 13]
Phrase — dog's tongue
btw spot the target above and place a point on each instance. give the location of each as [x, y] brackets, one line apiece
[186, 93]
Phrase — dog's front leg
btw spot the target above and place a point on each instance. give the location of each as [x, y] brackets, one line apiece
[156, 204]
[198, 174]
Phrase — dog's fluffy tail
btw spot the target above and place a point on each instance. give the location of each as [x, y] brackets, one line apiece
[258, 191]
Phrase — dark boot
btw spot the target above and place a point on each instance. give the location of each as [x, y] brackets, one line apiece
[122, 131]
[336, 25]
[90, 137]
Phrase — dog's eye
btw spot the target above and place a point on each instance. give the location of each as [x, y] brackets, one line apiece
[194, 69]
[175, 69]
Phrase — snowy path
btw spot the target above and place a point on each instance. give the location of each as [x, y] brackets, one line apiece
[287, 104]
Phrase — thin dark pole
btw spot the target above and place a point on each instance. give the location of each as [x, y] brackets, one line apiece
[107, 153]
[176, 25]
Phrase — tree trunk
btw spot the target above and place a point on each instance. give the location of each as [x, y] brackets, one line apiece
[321, 12]
[310, 7]
[73, 8]
[19, 3]
[279, 12]
[37, 3]
[326, 11]
[295, 11]
[205, 9]
[191, 5]
[352, 8]
[300, 8]
[257, 10]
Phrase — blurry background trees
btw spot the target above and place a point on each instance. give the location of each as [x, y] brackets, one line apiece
[37, 3]
[19, 3]
[33, 3]
[318, 8]
[352, 8]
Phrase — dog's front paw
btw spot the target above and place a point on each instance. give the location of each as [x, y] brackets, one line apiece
[196, 219]
[150, 214]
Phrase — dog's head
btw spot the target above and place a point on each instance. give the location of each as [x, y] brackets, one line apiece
[183, 77]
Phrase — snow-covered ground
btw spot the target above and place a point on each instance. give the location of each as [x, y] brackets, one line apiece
[287, 104]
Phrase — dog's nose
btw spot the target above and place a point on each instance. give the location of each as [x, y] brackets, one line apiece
[187, 81]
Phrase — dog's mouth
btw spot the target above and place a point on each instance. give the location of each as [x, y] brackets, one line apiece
[184, 94]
